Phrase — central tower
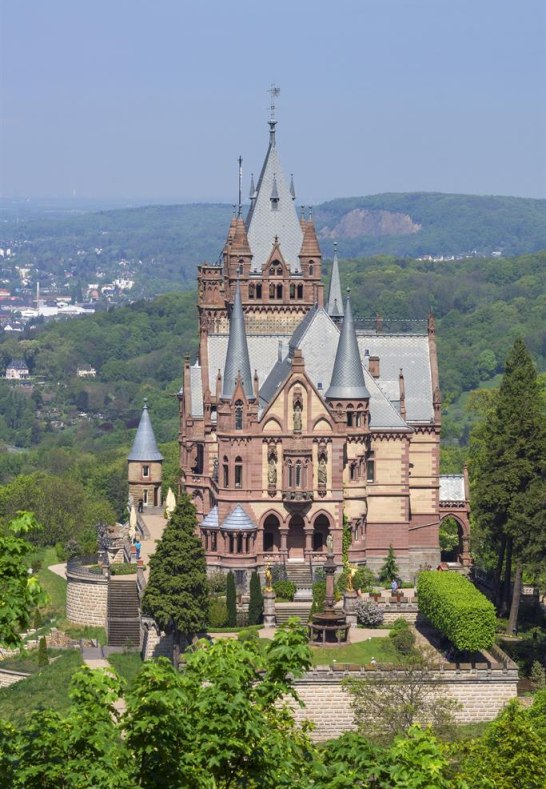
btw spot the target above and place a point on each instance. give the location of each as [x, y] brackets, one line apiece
[274, 255]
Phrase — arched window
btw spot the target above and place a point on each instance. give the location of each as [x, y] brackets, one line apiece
[213, 543]
[272, 291]
[238, 472]
[292, 291]
[290, 474]
[353, 472]
[239, 415]
[240, 267]
[311, 268]
[251, 290]
[300, 291]
[370, 467]
[231, 543]
[258, 291]
[298, 475]
[225, 467]
[279, 291]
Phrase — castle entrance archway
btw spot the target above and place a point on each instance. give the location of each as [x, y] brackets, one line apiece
[321, 528]
[272, 536]
[296, 537]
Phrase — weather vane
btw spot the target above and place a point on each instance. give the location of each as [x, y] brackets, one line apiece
[274, 91]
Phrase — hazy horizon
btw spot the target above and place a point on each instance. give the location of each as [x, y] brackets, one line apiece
[126, 101]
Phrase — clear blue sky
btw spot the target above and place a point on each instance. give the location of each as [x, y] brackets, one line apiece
[157, 98]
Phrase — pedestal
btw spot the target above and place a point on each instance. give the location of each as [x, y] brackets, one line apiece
[269, 608]
[350, 599]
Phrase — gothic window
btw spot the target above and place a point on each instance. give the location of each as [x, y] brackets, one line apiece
[311, 268]
[370, 467]
[268, 541]
[239, 543]
[258, 291]
[279, 291]
[238, 472]
[272, 291]
[353, 472]
[271, 271]
[240, 267]
[225, 467]
[231, 543]
[290, 474]
[239, 415]
[213, 544]
[292, 291]
[298, 474]
[300, 291]
[251, 290]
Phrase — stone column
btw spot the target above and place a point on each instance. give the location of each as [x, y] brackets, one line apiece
[308, 540]
[269, 608]
[284, 542]
[350, 599]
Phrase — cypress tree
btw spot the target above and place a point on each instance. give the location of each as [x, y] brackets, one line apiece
[508, 475]
[177, 594]
[256, 602]
[389, 571]
[43, 658]
[231, 601]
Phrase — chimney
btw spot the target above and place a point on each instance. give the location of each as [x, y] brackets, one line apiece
[373, 366]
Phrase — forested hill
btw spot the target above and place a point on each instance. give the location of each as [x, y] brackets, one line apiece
[160, 246]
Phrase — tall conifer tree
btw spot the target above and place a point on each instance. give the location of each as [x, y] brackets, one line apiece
[177, 594]
[231, 600]
[256, 602]
[509, 475]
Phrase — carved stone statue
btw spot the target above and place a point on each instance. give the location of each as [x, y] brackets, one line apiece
[297, 417]
[330, 544]
[272, 472]
[268, 579]
[322, 472]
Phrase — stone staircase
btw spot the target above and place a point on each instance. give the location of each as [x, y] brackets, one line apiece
[300, 574]
[301, 610]
[123, 612]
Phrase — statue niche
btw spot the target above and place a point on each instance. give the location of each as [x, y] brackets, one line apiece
[322, 471]
[272, 471]
[298, 411]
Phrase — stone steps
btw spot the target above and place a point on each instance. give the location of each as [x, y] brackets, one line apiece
[123, 613]
[283, 611]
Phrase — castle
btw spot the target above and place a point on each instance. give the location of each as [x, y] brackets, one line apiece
[295, 420]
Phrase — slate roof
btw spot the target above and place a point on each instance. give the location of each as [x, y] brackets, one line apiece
[347, 382]
[263, 350]
[452, 487]
[273, 214]
[237, 358]
[238, 520]
[196, 390]
[211, 520]
[144, 446]
[17, 364]
[411, 353]
[335, 298]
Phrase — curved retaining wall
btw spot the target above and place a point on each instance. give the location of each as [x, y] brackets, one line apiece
[86, 598]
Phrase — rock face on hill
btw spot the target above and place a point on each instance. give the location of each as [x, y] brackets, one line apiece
[375, 223]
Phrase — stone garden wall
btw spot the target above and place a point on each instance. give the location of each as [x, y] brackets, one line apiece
[86, 597]
[11, 677]
[483, 692]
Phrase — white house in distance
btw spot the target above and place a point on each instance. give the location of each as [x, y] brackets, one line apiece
[17, 370]
[86, 371]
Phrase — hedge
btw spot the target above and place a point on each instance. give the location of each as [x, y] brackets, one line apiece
[457, 609]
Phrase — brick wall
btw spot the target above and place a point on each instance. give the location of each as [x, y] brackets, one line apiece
[86, 599]
[11, 677]
[482, 692]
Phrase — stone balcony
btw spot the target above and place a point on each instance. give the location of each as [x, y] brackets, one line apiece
[297, 496]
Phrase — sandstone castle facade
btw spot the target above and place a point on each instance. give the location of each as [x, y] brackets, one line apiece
[294, 420]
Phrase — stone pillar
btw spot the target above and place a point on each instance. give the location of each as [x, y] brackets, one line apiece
[284, 542]
[308, 540]
[269, 608]
[350, 599]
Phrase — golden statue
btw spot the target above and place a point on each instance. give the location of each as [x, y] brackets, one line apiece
[351, 572]
[268, 579]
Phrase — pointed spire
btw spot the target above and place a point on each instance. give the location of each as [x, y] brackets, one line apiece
[348, 377]
[252, 192]
[292, 189]
[237, 358]
[335, 299]
[145, 446]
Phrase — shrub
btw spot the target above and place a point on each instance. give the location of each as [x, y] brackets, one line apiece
[403, 640]
[38, 622]
[218, 613]
[256, 602]
[319, 596]
[538, 675]
[249, 634]
[399, 624]
[363, 579]
[217, 582]
[457, 609]
[390, 570]
[61, 552]
[43, 658]
[122, 569]
[231, 600]
[285, 590]
[368, 613]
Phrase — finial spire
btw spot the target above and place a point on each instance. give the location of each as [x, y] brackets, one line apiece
[240, 186]
[335, 299]
[347, 377]
[237, 358]
[292, 189]
[252, 194]
[273, 91]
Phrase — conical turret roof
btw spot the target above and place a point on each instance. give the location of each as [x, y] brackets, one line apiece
[145, 446]
[237, 358]
[335, 299]
[348, 376]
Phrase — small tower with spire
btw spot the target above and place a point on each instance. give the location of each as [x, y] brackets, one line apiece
[335, 299]
[145, 465]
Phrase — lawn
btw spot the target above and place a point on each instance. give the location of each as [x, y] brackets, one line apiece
[54, 585]
[127, 665]
[28, 661]
[361, 653]
[48, 688]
